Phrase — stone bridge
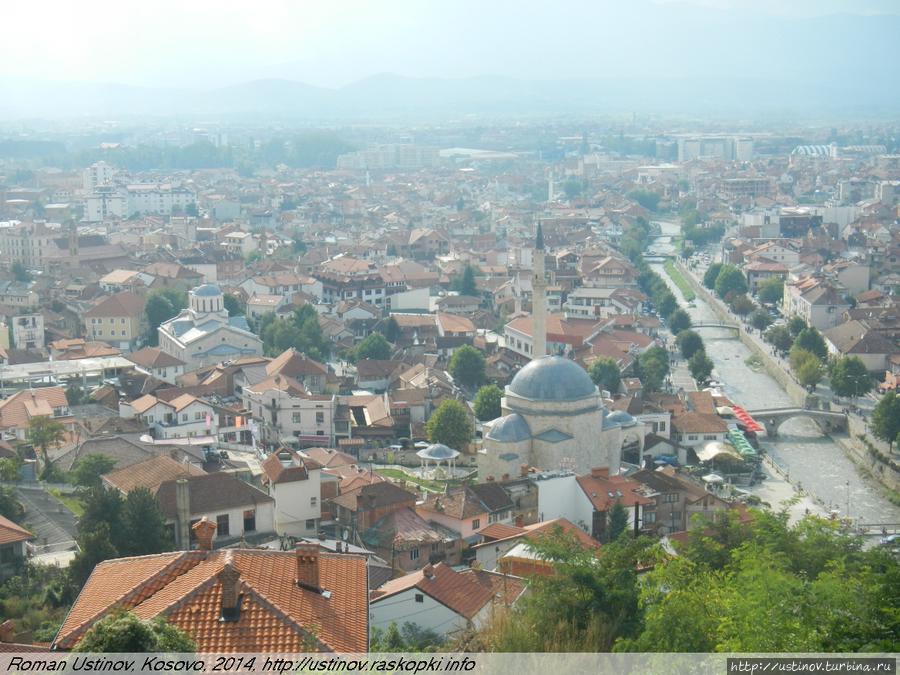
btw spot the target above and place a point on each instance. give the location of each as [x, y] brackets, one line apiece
[716, 324]
[773, 418]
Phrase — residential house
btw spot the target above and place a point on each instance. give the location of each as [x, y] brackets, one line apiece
[118, 320]
[235, 600]
[286, 413]
[184, 416]
[443, 600]
[408, 542]
[463, 510]
[155, 362]
[150, 474]
[295, 483]
[17, 411]
[499, 539]
[857, 338]
[13, 541]
[604, 492]
[816, 301]
[675, 501]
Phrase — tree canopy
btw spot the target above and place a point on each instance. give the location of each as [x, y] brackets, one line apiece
[606, 374]
[124, 632]
[44, 433]
[712, 273]
[467, 366]
[654, 367]
[886, 417]
[850, 377]
[374, 346]
[487, 402]
[300, 330]
[87, 470]
[464, 284]
[760, 319]
[162, 304]
[730, 280]
[451, 425]
[701, 366]
[780, 337]
[679, 320]
[812, 341]
[689, 342]
[771, 291]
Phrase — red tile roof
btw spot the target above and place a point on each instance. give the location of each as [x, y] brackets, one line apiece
[276, 615]
[11, 533]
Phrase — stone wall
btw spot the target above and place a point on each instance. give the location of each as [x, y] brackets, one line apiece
[872, 455]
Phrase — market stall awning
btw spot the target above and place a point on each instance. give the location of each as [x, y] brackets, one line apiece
[744, 418]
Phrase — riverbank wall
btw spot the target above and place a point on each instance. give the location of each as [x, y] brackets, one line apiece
[869, 454]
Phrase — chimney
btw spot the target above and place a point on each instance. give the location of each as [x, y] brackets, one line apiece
[600, 472]
[230, 579]
[428, 571]
[7, 631]
[204, 531]
[308, 566]
[520, 521]
[182, 515]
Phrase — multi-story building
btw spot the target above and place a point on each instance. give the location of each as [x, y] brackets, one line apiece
[158, 198]
[97, 175]
[285, 412]
[344, 278]
[28, 331]
[118, 320]
[295, 483]
[105, 202]
[18, 294]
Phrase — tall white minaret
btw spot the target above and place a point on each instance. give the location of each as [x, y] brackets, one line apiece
[539, 297]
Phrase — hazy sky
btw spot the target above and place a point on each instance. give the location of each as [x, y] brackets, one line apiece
[332, 42]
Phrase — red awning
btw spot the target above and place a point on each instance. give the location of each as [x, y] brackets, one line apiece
[744, 418]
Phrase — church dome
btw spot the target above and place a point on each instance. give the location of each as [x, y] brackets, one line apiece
[619, 418]
[552, 378]
[207, 291]
[510, 429]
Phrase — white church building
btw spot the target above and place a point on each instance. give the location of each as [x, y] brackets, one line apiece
[204, 334]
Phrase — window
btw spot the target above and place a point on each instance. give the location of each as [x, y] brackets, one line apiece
[295, 418]
[250, 520]
[420, 597]
[476, 523]
[222, 525]
[692, 437]
[313, 501]
[671, 498]
[649, 517]
[184, 417]
[662, 426]
[709, 437]
[311, 524]
[414, 554]
[198, 416]
[320, 418]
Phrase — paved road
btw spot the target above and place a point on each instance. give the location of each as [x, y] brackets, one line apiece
[52, 523]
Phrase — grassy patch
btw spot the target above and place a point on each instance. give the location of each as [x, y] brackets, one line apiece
[679, 281]
[754, 362]
[398, 475]
[70, 501]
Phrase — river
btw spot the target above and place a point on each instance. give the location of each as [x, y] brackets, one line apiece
[801, 450]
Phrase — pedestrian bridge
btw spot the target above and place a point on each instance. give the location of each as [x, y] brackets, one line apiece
[773, 418]
[716, 324]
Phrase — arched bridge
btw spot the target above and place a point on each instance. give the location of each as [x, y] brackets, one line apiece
[716, 324]
[773, 418]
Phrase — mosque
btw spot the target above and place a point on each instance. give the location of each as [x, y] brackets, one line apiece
[552, 414]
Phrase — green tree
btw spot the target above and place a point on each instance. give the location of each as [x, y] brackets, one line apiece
[233, 305]
[44, 433]
[465, 284]
[94, 546]
[771, 291]
[780, 337]
[810, 372]
[20, 272]
[300, 330]
[143, 524]
[467, 366]
[75, 395]
[124, 632]
[886, 418]
[451, 425]
[162, 305]
[679, 320]
[9, 469]
[10, 507]
[740, 304]
[88, 469]
[850, 377]
[689, 342]
[606, 374]
[798, 356]
[392, 330]
[573, 188]
[760, 319]
[666, 303]
[649, 200]
[730, 281]
[712, 273]
[701, 366]
[653, 366]
[618, 521]
[796, 325]
[374, 346]
[487, 402]
[812, 341]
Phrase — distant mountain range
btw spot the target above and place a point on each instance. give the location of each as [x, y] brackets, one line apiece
[384, 97]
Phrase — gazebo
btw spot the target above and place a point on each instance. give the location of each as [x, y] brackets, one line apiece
[438, 453]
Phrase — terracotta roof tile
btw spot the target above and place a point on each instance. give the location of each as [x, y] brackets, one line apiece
[461, 593]
[11, 533]
[150, 473]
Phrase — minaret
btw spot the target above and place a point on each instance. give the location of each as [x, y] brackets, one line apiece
[539, 297]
